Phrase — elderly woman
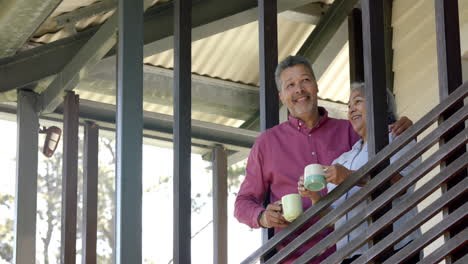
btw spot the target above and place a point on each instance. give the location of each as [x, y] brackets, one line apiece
[354, 159]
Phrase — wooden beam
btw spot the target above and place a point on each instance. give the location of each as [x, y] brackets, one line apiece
[450, 78]
[129, 132]
[26, 178]
[356, 57]
[220, 197]
[269, 101]
[375, 91]
[326, 28]
[69, 177]
[90, 192]
[182, 130]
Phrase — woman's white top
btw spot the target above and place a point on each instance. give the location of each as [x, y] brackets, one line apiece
[353, 160]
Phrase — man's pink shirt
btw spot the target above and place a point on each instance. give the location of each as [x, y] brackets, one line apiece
[278, 158]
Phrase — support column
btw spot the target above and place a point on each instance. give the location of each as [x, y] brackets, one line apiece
[26, 179]
[220, 205]
[450, 78]
[182, 130]
[69, 177]
[269, 101]
[375, 92]
[129, 132]
[356, 57]
[90, 192]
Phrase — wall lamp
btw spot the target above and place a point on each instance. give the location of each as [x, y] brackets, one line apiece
[52, 139]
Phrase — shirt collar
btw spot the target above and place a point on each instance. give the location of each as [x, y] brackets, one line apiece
[298, 123]
[360, 146]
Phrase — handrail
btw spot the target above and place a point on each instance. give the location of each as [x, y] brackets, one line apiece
[446, 248]
[410, 202]
[387, 196]
[400, 142]
[370, 187]
[432, 234]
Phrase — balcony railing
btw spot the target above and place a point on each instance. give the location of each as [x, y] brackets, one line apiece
[436, 158]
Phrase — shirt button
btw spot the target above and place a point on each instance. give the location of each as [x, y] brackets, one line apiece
[313, 153]
[310, 135]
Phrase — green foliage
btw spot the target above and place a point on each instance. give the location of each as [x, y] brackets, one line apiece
[6, 230]
[234, 176]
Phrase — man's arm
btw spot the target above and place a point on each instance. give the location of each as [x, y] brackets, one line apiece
[248, 208]
[248, 205]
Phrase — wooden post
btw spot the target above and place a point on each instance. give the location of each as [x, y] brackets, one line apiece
[450, 78]
[269, 101]
[70, 177]
[182, 130]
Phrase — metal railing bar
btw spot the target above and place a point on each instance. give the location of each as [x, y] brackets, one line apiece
[451, 220]
[383, 155]
[418, 220]
[446, 248]
[381, 178]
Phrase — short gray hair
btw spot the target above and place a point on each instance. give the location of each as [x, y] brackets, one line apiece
[291, 61]
[391, 104]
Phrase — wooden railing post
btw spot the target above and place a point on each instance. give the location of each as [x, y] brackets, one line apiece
[375, 92]
[269, 101]
[70, 177]
[450, 78]
[182, 130]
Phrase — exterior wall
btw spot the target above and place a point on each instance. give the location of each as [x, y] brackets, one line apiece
[415, 55]
[415, 68]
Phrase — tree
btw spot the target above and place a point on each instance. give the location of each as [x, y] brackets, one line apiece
[49, 190]
[50, 187]
[6, 230]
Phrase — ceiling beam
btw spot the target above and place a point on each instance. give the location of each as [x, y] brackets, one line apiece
[209, 17]
[224, 98]
[19, 19]
[326, 28]
[89, 55]
[157, 126]
[308, 14]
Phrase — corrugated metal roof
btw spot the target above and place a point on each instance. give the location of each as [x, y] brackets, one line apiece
[415, 55]
[334, 84]
[233, 55]
[50, 31]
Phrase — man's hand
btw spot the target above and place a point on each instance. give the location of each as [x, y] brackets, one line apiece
[304, 192]
[336, 174]
[400, 126]
[272, 216]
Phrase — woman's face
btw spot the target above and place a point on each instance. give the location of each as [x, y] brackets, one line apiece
[357, 112]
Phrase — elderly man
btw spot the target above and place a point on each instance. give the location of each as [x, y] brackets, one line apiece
[279, 155]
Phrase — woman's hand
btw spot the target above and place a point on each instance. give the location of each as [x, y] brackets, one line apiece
[400, 126]
[304, 192]
[336, 173]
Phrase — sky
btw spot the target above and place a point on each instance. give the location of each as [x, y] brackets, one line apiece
[157, 206]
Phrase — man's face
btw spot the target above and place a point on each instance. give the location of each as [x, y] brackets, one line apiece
[298, 90]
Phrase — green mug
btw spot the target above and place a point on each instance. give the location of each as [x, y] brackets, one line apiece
[314, 177]
[292, 206]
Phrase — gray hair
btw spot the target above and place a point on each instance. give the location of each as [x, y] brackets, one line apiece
[291, 61]
[391, 104]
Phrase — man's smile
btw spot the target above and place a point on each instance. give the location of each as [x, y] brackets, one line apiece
[301, 98]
